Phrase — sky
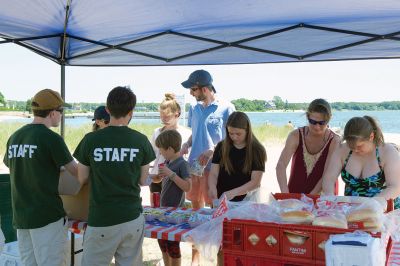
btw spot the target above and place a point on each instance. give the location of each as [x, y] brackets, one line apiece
[23, 73]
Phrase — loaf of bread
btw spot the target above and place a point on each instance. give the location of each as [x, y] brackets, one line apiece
[362, 215]
[297, 217]
[330, 221]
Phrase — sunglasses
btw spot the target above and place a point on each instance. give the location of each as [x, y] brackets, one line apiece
[315, 122]
[60, 110]
[106, 121]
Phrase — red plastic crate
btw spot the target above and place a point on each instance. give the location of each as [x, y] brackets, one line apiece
[297, 250]
[232, 259]
[245, 242]
[236, 242]
[266, 238]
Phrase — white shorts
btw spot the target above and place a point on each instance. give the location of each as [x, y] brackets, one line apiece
[47, 245]
[123, 241]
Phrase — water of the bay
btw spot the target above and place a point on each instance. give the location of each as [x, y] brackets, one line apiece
[389, 120]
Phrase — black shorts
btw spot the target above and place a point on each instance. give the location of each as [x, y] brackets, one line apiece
[155, 187]
[170, 247]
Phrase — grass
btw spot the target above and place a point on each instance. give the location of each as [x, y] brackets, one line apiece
[73, 135]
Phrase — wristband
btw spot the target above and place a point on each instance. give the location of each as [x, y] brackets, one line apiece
[172, 176]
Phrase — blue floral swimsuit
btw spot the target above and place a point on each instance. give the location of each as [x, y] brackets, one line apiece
[365, 187]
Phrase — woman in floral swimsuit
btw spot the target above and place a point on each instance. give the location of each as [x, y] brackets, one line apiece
[368, 166]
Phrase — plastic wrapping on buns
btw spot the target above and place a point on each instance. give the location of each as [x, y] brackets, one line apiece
[336, 220]
[297, 217]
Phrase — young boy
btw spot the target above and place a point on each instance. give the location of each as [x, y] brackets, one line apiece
[175, 181]
[116, 160]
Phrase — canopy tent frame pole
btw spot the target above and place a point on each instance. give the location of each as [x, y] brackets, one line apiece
[64, 59]
[62, 63]
[238, 44]
[62, 130]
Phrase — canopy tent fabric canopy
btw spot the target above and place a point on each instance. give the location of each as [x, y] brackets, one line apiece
[180, 32]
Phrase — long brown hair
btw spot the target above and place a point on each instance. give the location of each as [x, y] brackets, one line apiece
[255, 151]
[360, 128]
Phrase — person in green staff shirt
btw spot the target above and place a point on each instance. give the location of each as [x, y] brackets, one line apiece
[35, 155]
[116, 162]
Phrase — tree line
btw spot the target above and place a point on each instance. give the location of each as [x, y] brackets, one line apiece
[241, 104]
[278, 104]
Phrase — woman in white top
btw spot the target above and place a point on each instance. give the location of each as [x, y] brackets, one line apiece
[170, 112]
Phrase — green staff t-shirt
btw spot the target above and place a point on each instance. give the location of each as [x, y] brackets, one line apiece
[115, 156]
[34, 155]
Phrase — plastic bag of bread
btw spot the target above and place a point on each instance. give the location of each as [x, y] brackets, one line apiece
[295, 211]
[285, 205]
[345, 203]
[297, 217]
[330, 218]
[368, 215]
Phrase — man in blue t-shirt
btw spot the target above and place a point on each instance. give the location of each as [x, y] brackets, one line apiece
[207, 119]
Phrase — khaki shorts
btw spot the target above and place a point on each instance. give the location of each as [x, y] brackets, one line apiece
[199, 191]
[47, 245]
[122, 241]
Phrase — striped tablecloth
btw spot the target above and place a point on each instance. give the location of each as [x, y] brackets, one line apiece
[394, 257]
[76, 226]
[166, 231]
[153, 229]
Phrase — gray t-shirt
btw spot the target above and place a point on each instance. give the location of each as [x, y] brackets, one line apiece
[171, 194]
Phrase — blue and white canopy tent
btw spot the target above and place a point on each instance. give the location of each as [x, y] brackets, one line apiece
[181, 32]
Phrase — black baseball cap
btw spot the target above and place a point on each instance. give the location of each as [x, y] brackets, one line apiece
[101, 113]
[199, 78]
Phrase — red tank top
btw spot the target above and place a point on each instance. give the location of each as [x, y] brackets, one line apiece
[299, 182]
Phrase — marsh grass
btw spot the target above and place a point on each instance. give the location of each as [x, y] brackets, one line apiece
[73, 134]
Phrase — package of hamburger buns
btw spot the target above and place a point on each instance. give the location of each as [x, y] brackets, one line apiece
[296, 211]
[330, 218]
[369, 215]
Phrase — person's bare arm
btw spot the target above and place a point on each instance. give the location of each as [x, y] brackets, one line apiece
[212, 181]
[391, 159]
[144, 172]
[83, 173]
[72, 168]
[245, 188]
[292, 142]
[186, 146]
[184, 184]
[333, 169]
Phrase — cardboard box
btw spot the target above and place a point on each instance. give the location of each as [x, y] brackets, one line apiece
[77, 206]
[75, 197]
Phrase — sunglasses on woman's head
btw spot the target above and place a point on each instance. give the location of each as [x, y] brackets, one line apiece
[314, 122]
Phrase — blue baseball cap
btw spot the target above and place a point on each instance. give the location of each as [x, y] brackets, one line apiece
[198, 78]
[101, 113]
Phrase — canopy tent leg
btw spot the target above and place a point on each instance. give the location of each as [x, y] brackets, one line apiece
[62, 132]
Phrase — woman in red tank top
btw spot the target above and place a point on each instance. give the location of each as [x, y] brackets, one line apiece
[309, 148]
